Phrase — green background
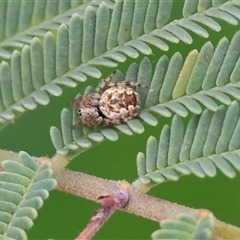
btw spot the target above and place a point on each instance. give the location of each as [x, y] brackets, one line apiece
[63, 216]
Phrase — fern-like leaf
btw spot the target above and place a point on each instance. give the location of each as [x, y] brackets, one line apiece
[186, 227]
[23, 188]
[210, 141]
[22, 21]
[84, 41]
[174, 87]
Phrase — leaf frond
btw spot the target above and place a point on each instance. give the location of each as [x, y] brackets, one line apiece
[209, 142]
[186, 227]
[176, 87]
[23, 186]
[203, 80]
[102, 36]
[22, 21]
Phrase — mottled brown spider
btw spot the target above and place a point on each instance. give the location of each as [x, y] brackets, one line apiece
[111, 103]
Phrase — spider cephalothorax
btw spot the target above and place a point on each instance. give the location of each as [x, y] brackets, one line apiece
[111, 103]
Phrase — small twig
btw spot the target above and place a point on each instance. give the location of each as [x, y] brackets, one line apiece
[109, 204]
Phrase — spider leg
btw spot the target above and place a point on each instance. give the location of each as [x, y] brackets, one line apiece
[130, 84]
[105, 83]
[75, 102]
[108, 121]
[88, 118]
[76, 125]
[126, 84]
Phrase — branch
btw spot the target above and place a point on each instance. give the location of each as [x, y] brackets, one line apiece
[90, 187]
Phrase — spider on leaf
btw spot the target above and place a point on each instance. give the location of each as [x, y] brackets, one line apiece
[111, 103]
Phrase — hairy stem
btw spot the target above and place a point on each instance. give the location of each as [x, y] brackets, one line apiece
[90, 187]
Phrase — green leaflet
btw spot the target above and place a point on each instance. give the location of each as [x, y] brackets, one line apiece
[23, 187]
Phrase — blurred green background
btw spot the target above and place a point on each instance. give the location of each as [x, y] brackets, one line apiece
[63, 216]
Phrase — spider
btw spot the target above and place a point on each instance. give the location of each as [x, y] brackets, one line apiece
[111, 103]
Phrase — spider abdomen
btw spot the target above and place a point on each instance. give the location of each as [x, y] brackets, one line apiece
[119, 104]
